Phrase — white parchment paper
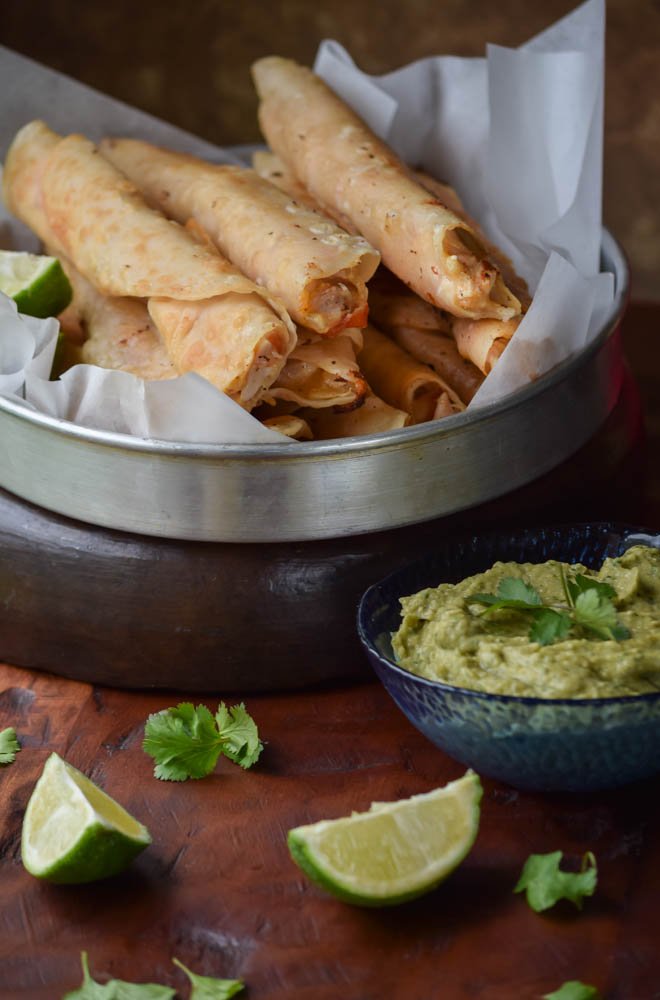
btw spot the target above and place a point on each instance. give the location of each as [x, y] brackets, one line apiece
[517, 133]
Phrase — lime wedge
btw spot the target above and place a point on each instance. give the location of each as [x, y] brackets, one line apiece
[74, 832]
[37, 284]
[396, 850]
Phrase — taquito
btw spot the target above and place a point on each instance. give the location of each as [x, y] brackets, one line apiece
[373, 417]
[291, 426]
[315, 268]
[213, 319]
[403, 382]
[273, 169]
[321, 373]
[449, 197]
[347, 169]
[419, 328]
[118, 332]
[423, 331]
[483, 341]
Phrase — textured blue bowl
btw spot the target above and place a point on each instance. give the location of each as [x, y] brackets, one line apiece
[532, 743]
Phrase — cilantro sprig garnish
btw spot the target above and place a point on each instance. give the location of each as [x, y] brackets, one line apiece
[588, 607]
[186, 742]
[210, 988]
[202, 987]
[116, 989]
[9, 746]
[545, 883]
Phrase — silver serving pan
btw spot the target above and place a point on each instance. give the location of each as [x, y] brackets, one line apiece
[314, 490]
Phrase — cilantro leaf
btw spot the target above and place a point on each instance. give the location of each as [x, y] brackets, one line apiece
[239, 734]
[579, 583]
[186, 741]
[116, 989]
[598, 614]
[210, 988]
[512, 588]
[545, 883]
[9, 746]
[183, 741]
[513, 593]
[574, 990]
[549, 626]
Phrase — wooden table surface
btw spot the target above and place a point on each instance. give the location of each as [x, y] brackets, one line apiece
[218, 890]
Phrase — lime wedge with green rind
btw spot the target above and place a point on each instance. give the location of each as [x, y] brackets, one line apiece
[36, 283]
[74, 832]
[395, 851]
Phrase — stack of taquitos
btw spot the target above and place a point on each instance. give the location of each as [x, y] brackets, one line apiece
[329, 156]
[211, 288]
[349, 171]
[212, 319]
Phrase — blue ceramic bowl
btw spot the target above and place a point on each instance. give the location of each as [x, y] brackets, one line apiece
[531, 743]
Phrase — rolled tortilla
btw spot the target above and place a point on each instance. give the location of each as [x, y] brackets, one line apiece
[483, 341]
[347, 169]
[449, 197]
[423, 331]
[118, 332]
[213, 319]
[273, 169]
[321, 373]
[403, 382]
[373, 417]
[291, 426]
[313, 266]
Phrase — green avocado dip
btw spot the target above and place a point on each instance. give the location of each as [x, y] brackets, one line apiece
[449, 635]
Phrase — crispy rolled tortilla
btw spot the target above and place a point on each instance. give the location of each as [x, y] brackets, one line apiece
[213, 319]
[347, 169]
[373, 417]
[483, 341]
[313, 266]
[439, 350]
[273, 169]
[403, 382]
[321, 373]
[118, 332]
[418, 327]
[449, 197]
[422, 331]
[291, 426]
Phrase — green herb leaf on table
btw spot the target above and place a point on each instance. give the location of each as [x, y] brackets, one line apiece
[545, 883]
[239, 734]
[116, 989]
[210, 988]
[574, 990]
[9, 746]
[186, 742]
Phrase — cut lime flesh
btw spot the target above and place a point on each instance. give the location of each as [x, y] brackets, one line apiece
[73, 831]
[395, 851]
[36, 283]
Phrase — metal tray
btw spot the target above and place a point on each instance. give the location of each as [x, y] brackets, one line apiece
[316, 490]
